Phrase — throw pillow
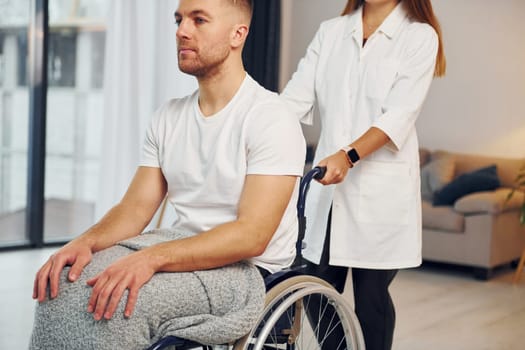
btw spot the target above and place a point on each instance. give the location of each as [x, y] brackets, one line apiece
[484, 179]
[435, 175]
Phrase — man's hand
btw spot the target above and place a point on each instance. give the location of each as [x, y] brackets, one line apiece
[77, 253]
[131, 273]
[336, 168]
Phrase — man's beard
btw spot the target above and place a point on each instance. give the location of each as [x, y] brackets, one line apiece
[203, 67]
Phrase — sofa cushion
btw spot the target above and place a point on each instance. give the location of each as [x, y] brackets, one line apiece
[484, 179]
[436, 174]
[465, 163]
[442, 218]
[492, 202]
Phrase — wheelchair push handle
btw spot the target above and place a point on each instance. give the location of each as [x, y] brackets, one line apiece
[316, 173]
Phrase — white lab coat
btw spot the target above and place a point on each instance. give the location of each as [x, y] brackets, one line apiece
[376, 211]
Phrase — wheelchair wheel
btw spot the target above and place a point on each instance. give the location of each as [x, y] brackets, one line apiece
[301, 313]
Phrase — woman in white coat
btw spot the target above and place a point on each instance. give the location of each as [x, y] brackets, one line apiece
[369, 72]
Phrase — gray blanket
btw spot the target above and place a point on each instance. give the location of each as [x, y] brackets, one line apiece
[211, 307]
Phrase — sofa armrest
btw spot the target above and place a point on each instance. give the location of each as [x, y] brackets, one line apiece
[492, 202]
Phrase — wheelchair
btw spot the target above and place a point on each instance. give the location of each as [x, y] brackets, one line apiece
[295, 305]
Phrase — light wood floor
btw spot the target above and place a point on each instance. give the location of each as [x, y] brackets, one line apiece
[437, 307]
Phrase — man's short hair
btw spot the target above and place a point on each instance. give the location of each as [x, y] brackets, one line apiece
[245, 5]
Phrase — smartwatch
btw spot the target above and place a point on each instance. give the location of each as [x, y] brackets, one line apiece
[352, 154]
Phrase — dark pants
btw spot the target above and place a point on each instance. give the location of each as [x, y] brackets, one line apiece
[373, 305]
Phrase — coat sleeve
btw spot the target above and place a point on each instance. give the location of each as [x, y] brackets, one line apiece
[409, 90]
[299, 93]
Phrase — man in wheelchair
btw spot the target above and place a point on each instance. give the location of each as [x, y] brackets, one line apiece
[228, 158]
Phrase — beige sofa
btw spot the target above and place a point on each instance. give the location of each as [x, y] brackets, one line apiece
[479, 229]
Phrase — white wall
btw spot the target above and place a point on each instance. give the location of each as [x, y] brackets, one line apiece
[479, 107]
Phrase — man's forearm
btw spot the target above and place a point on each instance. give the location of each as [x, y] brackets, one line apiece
[120, 223]
[132, 214]
[223, 245]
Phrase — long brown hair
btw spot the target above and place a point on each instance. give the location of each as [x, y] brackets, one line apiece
[419, 11]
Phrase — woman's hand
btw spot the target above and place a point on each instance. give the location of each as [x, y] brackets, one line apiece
[77, 253]
[130, 272]
[337, 166]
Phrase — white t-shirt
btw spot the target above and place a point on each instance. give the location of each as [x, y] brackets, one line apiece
[205, 160]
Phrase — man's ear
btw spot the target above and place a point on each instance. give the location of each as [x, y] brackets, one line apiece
[239, 34]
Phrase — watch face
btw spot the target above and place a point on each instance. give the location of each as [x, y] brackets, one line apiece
[352, 154]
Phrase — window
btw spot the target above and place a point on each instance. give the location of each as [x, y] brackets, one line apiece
[76, 42]
[74, 116]
[14, 111]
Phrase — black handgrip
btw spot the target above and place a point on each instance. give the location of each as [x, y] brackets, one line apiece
[320, 173]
